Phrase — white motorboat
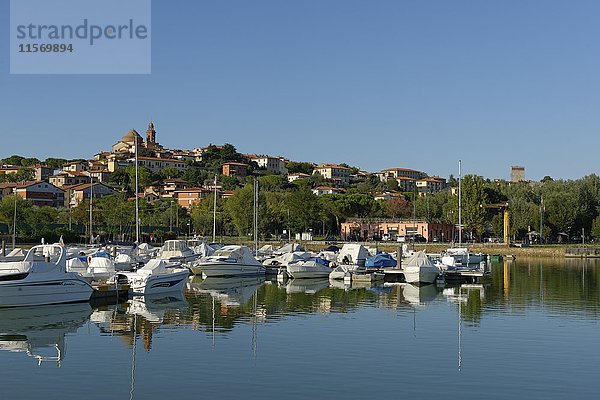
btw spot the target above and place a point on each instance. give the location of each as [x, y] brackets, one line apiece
[228, 261]
[156, 277]
[41, 278]
[419, 269]
[460, 257]
[275, 264]
[100, 268]
[177, 251]
[353, 254]
[342, 271]
[313, 268]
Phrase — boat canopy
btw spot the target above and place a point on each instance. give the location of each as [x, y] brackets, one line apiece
[154, 266]
[332, 248]
[241, 254]
[175, 245]
[419, 259]
[381, 260]
[289, 248]
[203, 249]
[288, 258]
[353, 254]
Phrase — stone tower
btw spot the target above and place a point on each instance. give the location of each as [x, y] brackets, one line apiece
[150, 134]
[517, 173]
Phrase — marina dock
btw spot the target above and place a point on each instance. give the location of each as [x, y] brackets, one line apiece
[104, 292]
[467, 276]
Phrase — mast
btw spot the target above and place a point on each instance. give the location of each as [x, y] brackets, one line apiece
[541, 217]
[137, 204]
[255, 217]
[91, 205]
[14, 236]
[214, 238]
[459, 203]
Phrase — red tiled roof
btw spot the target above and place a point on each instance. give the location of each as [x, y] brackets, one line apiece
[320, 166]
[401, 169]
[159, 159]
[193, 189]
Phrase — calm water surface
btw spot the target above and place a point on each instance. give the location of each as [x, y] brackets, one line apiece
[530, 331]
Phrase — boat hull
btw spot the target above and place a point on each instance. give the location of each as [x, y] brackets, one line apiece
[162, 283]
[308, 272]
[421, 275]
[227, 269]
[22, 294]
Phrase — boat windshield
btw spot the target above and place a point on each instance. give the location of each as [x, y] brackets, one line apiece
[49, 252]
[226, 253]
[175, 245]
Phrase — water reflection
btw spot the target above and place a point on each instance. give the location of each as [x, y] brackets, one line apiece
[39, 332]
[213, 307]
[233, 292]
[307, 286]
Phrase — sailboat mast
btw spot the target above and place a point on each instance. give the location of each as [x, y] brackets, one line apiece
[14, 236]
[137, 204]
[214, 237]
[255, 217]
[91, 206]
[459, 203]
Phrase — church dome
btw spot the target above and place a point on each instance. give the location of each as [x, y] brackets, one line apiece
[131, 137]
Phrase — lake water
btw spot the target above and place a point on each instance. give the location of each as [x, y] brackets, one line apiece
[529, 331]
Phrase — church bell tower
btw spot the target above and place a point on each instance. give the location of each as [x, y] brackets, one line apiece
[150, 134]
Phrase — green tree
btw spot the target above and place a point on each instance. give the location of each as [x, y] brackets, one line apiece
[55, 163]
[13, 160]
[295, 167]
[595, 232]
[7, 211]
[473, 198]
[240, 207]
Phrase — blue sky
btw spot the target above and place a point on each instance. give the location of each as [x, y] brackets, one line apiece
[375, 84]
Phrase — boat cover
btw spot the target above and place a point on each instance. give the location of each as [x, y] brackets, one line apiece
[382, 260]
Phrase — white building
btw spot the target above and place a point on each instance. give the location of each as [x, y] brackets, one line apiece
[292, 177]
[271, 164]
[431, 184]
[322, 190]
[334, 172]
[395, 173]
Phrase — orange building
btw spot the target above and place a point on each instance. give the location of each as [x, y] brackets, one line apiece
[235, 169]
[188, 197]
[367, 228]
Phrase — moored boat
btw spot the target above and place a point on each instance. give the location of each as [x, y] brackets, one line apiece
[156, 277]
[419, 269]
[313, 268]
[228, 261]
[41, 278]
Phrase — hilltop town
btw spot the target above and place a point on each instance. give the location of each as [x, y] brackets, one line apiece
[299, 197]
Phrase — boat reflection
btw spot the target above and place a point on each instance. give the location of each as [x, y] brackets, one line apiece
[307, 286]
[419, 295]
[153, 309]
[40, 332]
[233, 291]
[141, 316]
